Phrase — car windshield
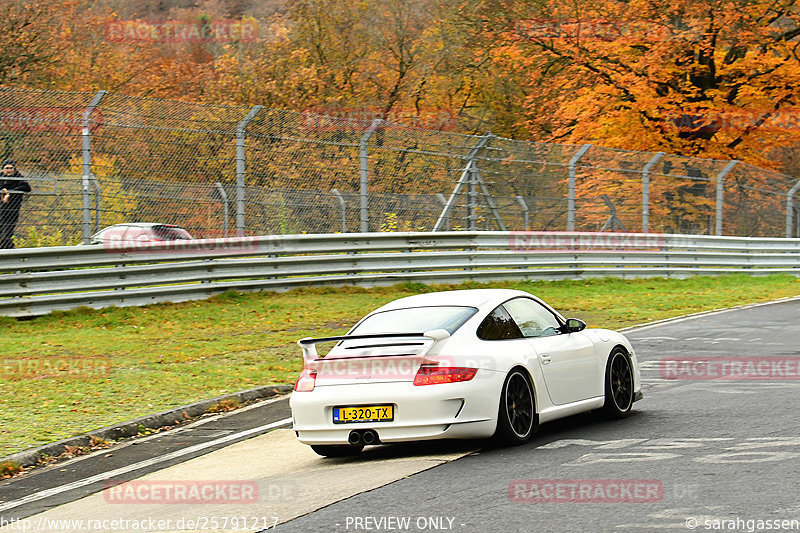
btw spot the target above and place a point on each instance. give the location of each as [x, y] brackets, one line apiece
[415, 320]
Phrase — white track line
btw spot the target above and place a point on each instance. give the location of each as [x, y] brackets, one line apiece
[141, 464]
[673, 320]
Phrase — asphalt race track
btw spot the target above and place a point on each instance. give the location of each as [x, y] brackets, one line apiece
[714, 446]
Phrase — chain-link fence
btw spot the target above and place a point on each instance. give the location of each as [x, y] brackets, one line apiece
[95, 160]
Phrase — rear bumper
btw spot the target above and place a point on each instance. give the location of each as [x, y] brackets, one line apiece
[452, 410]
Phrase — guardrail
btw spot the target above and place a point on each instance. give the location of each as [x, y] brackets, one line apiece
[35, 281]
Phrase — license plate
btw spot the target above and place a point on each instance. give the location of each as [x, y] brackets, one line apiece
[363, 413]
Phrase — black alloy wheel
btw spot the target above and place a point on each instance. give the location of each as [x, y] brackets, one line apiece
[619, 385]
[517, 418]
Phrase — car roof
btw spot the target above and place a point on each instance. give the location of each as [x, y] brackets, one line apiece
[468, 297]
[141, 225]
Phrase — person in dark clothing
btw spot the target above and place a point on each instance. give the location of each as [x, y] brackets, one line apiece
[12, 187]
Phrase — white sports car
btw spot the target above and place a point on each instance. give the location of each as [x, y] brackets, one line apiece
[458, 364]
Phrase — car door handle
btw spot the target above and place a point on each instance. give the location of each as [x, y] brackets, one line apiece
[545, 358]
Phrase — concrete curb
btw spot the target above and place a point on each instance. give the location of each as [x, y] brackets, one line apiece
[133, 427]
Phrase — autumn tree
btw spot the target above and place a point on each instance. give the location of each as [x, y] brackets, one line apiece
[706, 77]
[711, 78]
[31, 39]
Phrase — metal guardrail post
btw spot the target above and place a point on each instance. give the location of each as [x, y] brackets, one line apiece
[241, 129]
[343, 209]
[225, 208]
[721, 194]
[86, 150]
[571, 187]
[646, 191]
[790, 209]
[364, 178]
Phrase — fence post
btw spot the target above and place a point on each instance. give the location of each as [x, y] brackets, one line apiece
[613, 221]
[342, 208]
[472, 202]
[87, 165]
[364, 180]
[97, 191]
[240, 166]
[797, 224]
[646, 191]
[224, 196]
[571, 193]
[790, 209]
[721, 193]
[468, 179]
[525, 210]
[441, 199]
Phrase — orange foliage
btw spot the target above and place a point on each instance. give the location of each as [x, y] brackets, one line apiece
[719, 79]
[713, 78]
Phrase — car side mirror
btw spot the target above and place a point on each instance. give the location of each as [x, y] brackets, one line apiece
[575, 324]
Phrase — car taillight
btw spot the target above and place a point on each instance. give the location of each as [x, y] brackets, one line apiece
[306, 380]
[434, 375]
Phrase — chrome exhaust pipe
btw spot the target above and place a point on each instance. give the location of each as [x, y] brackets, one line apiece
[354, 438]
[369, 437]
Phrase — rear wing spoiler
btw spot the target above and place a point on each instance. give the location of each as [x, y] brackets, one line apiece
[310, 350]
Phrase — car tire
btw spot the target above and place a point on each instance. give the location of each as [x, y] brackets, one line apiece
[517, 419]
[335, 450]
[618, 385]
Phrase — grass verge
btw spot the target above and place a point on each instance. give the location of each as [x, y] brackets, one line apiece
[70, 372]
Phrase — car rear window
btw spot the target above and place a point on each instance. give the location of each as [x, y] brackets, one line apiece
[415, 320]
[170, 233]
